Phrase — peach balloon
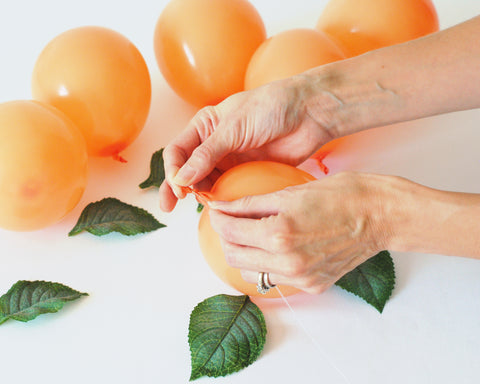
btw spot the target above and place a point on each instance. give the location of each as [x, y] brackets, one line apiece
[289, 53]
[363, 25]
[99, 79]
[252, 178]
[43, 165]
[203, 47]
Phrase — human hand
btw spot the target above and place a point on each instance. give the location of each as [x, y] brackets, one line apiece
[306, 236]
[271, 122]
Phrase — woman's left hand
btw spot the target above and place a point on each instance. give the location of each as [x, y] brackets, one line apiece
[306, 236]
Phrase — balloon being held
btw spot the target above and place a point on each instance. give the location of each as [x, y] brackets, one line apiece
[252, 178]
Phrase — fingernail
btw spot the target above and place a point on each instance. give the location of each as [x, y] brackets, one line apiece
[184, 175]
[178, 192]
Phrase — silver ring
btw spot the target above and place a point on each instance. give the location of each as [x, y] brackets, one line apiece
[263, 283]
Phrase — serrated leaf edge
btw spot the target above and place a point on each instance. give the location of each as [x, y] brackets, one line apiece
[201, 371]
[62, 301]
[77, 229]
[378, 306]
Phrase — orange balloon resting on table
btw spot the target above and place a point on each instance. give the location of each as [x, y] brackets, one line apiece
[203, 47]
[354, 44]
[99, 79]
[252, 178]
[43, 165]
[363, 25]
[289, 53]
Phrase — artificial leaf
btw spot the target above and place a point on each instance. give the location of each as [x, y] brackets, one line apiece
[157, 172]
[199, 207]
[112, 215]
[25, 300]
[372, 280]
[226, 334]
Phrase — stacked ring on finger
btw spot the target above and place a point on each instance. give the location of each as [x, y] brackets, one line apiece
[263, 283]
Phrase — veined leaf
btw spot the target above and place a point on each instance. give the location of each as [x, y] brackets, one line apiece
[372, 280]
[25, 300]
[112, 215]
[157, 172]
[226, 334]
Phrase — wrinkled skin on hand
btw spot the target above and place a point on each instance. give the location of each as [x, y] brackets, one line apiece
[306, 236]
[268, 123]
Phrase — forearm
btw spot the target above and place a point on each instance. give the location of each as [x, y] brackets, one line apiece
[436, 74]
[415, 218]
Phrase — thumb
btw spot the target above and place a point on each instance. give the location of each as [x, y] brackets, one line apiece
[253, 207]
[203, 159]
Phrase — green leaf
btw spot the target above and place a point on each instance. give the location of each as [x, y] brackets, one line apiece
[157, 172]
[226, 334]
[199, 207]
[112, 215]
[373, 280]
[25, 300]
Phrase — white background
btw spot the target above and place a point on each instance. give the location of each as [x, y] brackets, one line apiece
[133, 326]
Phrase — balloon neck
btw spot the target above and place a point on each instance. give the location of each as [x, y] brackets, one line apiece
[319, 156]
[119, 158]
[202, 197]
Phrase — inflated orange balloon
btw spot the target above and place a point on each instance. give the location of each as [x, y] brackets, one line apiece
[203, 47]
[43, 165]
[252, 178]
[354, 44]
[99, 79]
[363, 25]
[289, 53]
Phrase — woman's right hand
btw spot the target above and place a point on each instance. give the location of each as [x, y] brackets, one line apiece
[272, 122]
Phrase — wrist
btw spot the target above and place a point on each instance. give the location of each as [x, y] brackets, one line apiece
[397, 212]
[352, 95]
[416, 218]
[400, 205]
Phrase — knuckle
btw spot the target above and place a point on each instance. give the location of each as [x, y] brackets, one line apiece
[206, 120]
[246, 202]
[228, 232]
[282, 238]
[346, 178]
[224, 230]
[296, 267]
[207, 112]
[203, 153]
[230, 254]
[281, 243]
[345, 174]
[170, 150]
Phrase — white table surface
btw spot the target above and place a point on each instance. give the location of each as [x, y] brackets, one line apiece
[133, 326]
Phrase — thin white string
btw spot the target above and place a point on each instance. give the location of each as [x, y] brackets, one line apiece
[314, 342]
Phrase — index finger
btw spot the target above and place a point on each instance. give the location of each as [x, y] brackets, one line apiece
[179, 150]
[177, 153]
